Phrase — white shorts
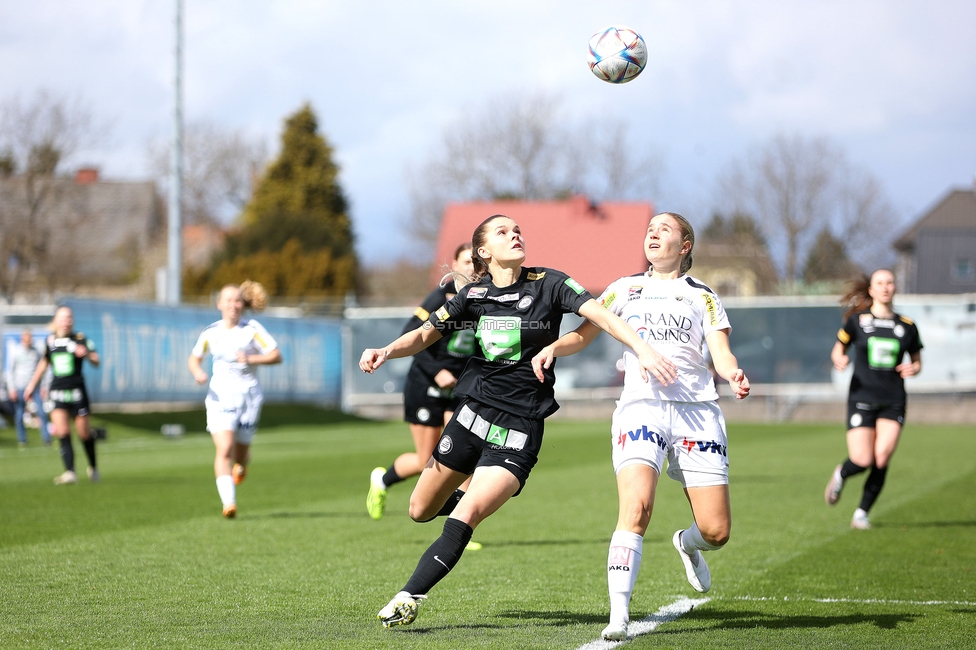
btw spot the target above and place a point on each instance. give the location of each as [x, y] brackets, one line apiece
[691, 435]
[239, 413]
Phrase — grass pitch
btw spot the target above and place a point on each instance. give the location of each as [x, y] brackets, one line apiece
[145, 560]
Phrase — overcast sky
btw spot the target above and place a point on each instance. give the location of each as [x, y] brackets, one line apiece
[892, 82]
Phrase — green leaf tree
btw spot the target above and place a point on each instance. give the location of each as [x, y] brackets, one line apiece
[296, 235]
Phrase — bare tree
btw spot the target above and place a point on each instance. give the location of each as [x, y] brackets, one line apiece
[36, 137]
[521, 147]
[219, 168]
[797, 186]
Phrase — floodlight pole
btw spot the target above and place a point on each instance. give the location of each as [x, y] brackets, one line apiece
[174, 275]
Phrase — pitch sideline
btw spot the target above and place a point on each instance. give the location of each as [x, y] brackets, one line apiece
[649, 623]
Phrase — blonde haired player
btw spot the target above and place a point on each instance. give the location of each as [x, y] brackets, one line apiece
[653, 421]
[234, 398]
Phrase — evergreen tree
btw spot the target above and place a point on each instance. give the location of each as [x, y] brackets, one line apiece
[296, 235]
[827, 260]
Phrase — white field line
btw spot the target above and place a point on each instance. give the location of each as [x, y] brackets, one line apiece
[857, 601]
[647, 625]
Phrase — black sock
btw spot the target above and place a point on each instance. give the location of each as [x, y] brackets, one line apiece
[67, 453]
[850, 469]
[440, 557]
[872, 487]
[448, 506]
[90, 450]
[391, 477]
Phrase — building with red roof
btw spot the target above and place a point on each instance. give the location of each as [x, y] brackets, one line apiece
[593, 243]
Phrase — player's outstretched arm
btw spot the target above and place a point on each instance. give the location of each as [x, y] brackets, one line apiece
[566, 345]
[406, 345]
[650, 359]
[726, 364]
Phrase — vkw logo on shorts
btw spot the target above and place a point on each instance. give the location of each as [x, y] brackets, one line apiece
[856, 420]
[445, 445]
[423, 414]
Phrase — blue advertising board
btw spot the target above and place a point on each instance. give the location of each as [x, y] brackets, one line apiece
[144, 350]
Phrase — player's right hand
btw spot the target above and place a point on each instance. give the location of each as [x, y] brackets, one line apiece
[372, 359]
[660, 366]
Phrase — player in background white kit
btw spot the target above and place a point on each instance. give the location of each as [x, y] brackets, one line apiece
[234, 398]
[682, 422]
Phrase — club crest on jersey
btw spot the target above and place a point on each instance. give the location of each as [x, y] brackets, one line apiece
[899, 331]
[477, 292]
[634, 292]
[524, 302]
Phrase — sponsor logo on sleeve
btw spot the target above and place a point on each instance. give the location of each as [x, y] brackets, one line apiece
[710, 308]
[535, 276]
[477, 292]
[608, 299]
[442, 314]
[575, 286]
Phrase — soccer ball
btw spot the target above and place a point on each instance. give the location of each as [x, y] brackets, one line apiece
[617, 54]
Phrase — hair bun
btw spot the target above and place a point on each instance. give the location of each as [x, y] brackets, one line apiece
[254, 295]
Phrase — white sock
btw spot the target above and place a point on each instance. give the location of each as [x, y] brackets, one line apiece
[623, 564]
[225, 488]
[692, 540]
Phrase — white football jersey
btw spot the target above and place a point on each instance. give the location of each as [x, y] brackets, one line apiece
[673, 317]
[229, 376]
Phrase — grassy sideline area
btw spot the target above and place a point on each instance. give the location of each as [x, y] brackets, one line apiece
[144, 559]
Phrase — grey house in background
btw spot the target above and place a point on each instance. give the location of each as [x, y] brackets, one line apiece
[89, 231]
[938, 253]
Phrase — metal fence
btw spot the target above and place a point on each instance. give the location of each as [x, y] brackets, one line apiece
[783, 344]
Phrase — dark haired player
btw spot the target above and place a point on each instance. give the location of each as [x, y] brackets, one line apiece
[877, 399]
[496, 433]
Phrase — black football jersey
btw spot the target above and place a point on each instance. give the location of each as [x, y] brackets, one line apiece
[511, 325]
[451, 352]
[65, 366]
[880, 344]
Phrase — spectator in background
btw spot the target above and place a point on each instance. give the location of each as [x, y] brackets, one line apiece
[23, 363]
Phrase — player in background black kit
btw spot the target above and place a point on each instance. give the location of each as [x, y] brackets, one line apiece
[428, 394]
[65, 352]
[876, 402]
[496, 433]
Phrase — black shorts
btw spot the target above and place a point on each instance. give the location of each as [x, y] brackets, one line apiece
[482, 436]
[72, 400]
[423, 404]
[866, 414]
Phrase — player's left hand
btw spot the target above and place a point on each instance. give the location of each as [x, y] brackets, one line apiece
[541, 361]
[81, 351]
[739, 383]
[906, 370]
